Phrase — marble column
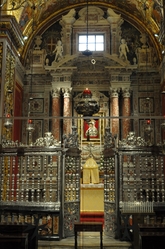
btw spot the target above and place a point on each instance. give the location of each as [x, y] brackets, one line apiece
[114, 111]
[67, 112]
[56, 113]
[126, 112]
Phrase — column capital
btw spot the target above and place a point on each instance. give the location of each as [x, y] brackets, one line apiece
[114, 92]
[67, 91]
[126, 92]
[55, 92]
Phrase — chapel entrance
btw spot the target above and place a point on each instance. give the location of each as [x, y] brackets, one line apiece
[92, 193]
[98, 198]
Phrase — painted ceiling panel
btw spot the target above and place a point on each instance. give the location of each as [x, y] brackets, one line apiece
[150, 10]
[39, 15]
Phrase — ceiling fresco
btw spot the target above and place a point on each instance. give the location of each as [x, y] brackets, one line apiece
[150, 10]
[36, 16]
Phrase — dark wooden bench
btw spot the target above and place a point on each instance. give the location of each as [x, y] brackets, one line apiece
[14, 234]
[151, 236]
[14, 241]
[89, 227]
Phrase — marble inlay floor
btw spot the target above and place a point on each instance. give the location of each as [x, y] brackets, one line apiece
[86, 240]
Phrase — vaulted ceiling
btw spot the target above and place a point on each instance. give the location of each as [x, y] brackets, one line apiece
[148, 11]
[145, 15]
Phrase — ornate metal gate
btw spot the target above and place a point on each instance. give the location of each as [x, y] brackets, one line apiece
[134, 184]
[111, 182]
[40, 185]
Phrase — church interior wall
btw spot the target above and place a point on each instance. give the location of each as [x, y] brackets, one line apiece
[134, 76]
[95, 75]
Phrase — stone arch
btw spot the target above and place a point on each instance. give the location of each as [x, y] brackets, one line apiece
[42, 25]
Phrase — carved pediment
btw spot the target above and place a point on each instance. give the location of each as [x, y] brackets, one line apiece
[105, 69]
[95, 16]
[82, 62]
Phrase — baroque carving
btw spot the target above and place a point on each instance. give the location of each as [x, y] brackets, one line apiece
[109, 139]
[132, 141]
[112, 15]
[126, 93]
[67, 92]
[71, 141]
[68, 18]
[47, 141]
[56, 92]
[114, 92]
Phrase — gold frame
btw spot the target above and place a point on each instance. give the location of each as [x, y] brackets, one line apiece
[101, 128]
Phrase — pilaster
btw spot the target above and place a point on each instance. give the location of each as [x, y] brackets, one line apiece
[67, 23]
[115, 21]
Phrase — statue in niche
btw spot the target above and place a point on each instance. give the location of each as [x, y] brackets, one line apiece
[58, 51]
[123, 50]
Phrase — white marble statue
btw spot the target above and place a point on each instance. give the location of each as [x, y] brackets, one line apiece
[58, 51]
[123, 49]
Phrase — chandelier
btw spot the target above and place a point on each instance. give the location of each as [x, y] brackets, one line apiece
[87, 106]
